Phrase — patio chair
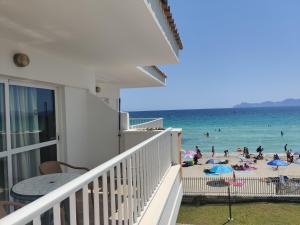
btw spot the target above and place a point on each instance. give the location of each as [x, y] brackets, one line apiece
[50, 167]
[4, 204]
[288, 186]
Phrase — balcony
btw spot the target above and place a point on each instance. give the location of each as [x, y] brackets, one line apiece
[146, 123]
[140, 186]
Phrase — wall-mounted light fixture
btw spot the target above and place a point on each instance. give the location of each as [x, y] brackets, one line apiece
[98, 89]
[21, 60]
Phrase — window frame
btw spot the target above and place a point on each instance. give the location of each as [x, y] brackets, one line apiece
[10, 152]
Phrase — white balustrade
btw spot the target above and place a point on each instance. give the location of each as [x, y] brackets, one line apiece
[116, 192]
[146, 123]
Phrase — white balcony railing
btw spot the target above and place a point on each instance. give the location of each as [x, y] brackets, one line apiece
[116, 192]
[146, 123]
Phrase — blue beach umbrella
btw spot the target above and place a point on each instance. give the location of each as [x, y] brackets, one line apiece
[277, 162]
[221, 169]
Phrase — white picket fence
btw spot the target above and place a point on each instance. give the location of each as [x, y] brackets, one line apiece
[246, 187]
[116, 192]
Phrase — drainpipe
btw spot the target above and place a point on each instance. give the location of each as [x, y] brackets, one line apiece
[119, 132]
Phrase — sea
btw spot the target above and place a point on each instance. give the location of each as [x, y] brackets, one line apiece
[234, 128]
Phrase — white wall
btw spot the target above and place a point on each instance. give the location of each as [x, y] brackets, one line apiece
[110, 94]
[171, 209]
[44, 67]
[176, 145]
[91, 128]
[131, 138]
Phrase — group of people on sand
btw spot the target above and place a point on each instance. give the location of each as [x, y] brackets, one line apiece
[198, 154]
[243, 167]
[245, 152]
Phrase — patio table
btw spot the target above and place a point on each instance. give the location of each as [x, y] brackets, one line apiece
[31, 189]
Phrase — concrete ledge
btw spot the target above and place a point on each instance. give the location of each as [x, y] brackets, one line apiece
[157, 206]
[202, 200]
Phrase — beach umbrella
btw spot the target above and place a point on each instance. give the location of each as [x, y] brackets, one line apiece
[277, 163]
[212, 161]
[190, 152]
[188, 157]
[221, 169]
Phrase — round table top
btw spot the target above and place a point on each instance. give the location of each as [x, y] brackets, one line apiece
[35, 187]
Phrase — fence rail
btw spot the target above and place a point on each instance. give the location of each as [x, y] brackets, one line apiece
[243, 187]
[146, 123]
[116, 192]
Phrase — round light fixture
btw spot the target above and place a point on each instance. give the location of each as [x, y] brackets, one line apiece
[21, 60]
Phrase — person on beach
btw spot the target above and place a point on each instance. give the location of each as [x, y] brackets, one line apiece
[197, 156]
[259, 149]
[198, 152]
[212, 151]
[285, 147]
[226, 153]
[276, 157]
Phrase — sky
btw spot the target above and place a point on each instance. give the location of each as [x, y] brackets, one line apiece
[234, 51]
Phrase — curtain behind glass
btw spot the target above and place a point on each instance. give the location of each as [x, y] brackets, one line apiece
[2, 120]
[24, 130]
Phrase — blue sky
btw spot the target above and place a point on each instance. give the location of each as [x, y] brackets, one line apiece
[234, 51]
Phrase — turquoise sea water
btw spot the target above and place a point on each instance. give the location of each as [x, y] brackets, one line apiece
[239, 127]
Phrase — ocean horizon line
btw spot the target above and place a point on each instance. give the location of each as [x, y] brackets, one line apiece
[190, 109]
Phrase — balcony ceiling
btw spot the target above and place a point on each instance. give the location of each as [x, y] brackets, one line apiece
[128, 77]
[111, 37]
[96, 33]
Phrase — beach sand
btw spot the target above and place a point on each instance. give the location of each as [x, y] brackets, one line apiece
[263, 170]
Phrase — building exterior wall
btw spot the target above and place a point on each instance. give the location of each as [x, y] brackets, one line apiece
[110, 94]
[131, 138]
[91, 129]
[44, 67]
[88, 125]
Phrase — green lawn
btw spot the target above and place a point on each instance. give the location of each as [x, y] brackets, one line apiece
[243, 214]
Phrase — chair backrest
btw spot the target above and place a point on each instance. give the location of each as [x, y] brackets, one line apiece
[2, 212]
[4, 204]
[50, 167]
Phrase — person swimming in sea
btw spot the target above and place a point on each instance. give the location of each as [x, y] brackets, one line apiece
[281, 132]
[285, 147]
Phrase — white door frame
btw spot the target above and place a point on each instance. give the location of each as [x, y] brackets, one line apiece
[9, 152]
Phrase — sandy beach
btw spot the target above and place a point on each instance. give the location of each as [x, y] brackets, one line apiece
[263, 170]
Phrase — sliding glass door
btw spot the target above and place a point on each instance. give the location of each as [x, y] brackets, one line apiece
[28, 132]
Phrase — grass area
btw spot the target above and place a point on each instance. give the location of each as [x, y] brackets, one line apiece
[243, 214]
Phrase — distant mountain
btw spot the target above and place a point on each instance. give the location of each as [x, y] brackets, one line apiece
[284, 103]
